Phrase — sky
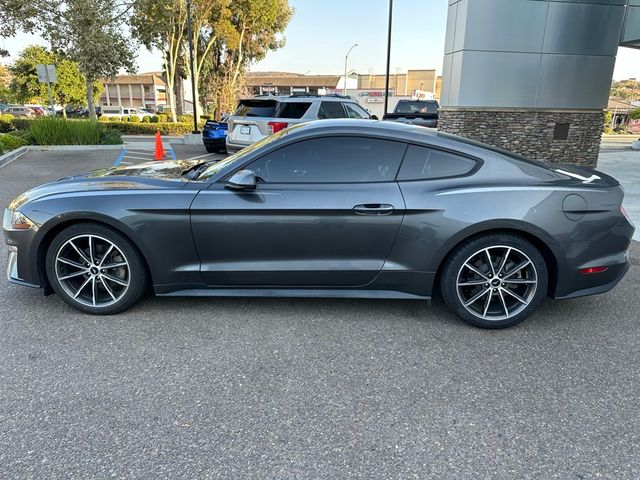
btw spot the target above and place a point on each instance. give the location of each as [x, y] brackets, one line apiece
[321, 32]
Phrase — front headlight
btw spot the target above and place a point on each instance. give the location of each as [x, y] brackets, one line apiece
[14, 220]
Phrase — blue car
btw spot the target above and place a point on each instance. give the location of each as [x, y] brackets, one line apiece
[214, 135]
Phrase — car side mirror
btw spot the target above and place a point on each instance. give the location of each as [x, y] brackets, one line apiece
[374, 117]
[242, 180]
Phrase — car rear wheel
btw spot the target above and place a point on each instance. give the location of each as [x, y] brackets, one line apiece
[494, 281]
[95, 269]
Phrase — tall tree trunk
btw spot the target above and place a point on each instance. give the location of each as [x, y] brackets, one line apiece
[196, 97]
[179, 91]
[170, 74]
[90, 105]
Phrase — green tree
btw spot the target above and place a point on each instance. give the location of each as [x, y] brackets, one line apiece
[69, 89]
[161, 24]
[6, 95]
[246, 31]
[625, 88]
[635, 114]
[90, 32]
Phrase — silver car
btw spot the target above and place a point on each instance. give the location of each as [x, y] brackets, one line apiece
[258, 117]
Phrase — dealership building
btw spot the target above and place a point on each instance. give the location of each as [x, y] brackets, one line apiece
[533, 76]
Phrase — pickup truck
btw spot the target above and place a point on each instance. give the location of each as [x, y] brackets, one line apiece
[423, 113]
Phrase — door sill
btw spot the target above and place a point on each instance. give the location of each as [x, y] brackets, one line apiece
[293, 292]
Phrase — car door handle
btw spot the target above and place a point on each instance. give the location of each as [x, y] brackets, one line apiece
[373, 209]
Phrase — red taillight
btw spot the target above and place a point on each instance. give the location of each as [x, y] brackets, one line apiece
[277, 126]
[590, 270]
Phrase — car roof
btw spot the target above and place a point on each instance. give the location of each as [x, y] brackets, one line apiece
[390, 130]
[301, 97]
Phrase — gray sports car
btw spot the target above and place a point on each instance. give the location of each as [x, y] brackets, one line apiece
[343, 208]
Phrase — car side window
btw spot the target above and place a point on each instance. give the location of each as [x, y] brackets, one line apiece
[422, 163]
[330, 110]
[355, 111]
[332, 160]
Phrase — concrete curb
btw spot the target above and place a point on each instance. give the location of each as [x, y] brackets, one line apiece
[18, 152]
[12, 155]
[44, 148]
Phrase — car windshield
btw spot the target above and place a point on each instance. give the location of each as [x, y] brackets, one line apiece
[238, 157]
[417, 106]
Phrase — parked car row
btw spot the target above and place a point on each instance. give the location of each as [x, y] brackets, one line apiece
[25, 111]
[258, 117]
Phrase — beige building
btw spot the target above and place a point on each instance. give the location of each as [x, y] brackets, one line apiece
[283, 83]
[402, 83]
[144, 90]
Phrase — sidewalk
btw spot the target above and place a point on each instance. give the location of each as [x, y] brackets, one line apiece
[625, 167]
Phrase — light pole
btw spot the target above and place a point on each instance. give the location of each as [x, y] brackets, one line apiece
[386, 83]
[193, 78]
[346, 57]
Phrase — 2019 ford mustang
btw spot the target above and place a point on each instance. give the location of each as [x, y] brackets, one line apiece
[336, 208]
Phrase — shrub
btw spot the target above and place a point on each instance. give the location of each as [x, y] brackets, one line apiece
[103, 119]
[635, 114]
[110, 136]
[5, 123]
[154, 119]
[167, 128]
[146, 119]
[185, 118]
[115, 118]
[10, 142]
[22, 123]
[25, 135]
[134, 119]
[163, 118]
[54, 131]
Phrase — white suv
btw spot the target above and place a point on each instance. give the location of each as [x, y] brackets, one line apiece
[259, 117]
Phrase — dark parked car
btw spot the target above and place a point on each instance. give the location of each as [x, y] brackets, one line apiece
[214, 135]
[335, 208]
[423, 113]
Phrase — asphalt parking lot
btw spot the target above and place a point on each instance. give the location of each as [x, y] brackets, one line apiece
[306, 388]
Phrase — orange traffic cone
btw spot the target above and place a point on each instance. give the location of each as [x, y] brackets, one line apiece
[159, 153]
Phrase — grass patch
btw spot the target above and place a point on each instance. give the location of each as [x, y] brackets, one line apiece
[55, 131]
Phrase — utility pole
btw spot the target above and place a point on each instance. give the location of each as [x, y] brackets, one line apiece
[193, 78]
[386, 87]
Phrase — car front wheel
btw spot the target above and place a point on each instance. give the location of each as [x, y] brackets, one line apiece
[95, 269]
[494, 281]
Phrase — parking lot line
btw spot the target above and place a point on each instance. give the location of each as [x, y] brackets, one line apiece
[202, 156]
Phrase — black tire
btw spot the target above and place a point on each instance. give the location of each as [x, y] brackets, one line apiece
[212, 149]
[458, 281]
[136, 277]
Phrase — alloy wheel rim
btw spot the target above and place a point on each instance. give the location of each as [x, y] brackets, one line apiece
[497, 283]
[92, 270]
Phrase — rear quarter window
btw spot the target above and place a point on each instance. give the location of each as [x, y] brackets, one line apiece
[422, 163]
[293, 109]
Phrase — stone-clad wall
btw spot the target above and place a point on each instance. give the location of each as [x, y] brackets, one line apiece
[530, 133]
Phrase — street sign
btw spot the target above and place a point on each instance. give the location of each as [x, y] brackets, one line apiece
[46, 73]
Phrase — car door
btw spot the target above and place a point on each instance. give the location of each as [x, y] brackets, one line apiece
[325, 213]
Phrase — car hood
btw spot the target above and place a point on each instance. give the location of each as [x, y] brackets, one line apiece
[150, 175]
[164, 169]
